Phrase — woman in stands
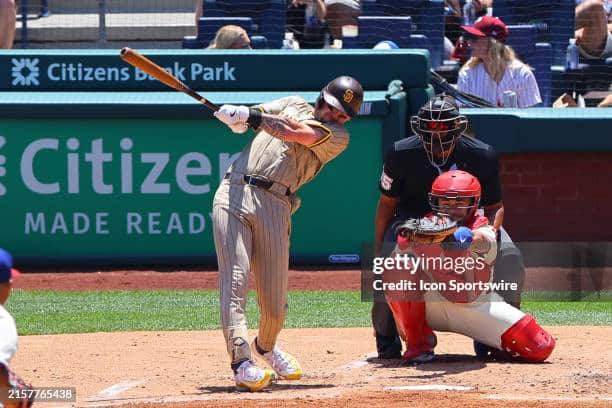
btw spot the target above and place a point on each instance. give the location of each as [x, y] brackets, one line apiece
[494, 67]
[231, 37]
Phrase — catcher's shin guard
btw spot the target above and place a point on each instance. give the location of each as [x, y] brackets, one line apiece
[413, 328]
[528, 341]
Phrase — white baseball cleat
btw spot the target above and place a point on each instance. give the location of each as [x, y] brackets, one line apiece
[249, 377]
[283, 363]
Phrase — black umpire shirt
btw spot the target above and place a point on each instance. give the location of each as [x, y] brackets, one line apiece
[408, 175]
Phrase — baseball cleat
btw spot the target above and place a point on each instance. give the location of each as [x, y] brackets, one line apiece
[283, 363]
[249, 377]
[418, 355]
[482, 350]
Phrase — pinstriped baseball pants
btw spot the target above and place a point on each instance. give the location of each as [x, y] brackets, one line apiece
[251, 228]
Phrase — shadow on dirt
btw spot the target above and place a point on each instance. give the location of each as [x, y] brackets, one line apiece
[442, 365]
[273, 387]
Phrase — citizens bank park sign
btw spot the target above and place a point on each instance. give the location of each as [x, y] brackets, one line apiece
[35, 73]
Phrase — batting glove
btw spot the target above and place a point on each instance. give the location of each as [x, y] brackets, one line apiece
[239, 128]
[232, 114]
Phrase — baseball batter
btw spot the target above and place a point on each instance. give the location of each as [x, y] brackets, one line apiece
[474, 311]
[8, 337]
[252, 214]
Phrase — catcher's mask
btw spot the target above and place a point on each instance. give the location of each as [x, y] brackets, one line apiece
[455, 185]
[438, 124]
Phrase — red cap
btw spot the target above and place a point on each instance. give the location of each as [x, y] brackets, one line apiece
[488, 26]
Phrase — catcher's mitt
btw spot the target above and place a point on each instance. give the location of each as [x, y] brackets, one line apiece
[429, 230]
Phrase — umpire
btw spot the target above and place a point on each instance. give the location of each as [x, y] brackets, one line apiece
[438, 145]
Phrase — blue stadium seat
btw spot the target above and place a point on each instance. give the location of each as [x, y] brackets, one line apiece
[428, 15]
[192, 42]
[373, 29]
[555, 19]
[523, 39]
[259, 42]
[268, 15]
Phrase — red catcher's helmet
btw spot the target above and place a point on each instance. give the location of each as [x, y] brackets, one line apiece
[455, 184]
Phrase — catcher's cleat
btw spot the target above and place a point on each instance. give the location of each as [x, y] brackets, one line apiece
[482, 350]
[283, 363]
[249, 377]
[418, 355]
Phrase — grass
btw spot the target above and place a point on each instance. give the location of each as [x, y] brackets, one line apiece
[48, 312]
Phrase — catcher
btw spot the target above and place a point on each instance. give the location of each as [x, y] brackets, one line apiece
[454, 232]
[438, 145]
[8, 338]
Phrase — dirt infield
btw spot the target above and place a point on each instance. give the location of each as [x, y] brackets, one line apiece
[190, 369]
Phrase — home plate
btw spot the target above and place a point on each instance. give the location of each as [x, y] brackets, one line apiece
[429, 387]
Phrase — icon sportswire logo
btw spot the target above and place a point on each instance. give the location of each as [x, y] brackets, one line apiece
[25, 71]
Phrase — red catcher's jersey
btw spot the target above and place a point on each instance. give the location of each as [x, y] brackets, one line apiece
[459, 272]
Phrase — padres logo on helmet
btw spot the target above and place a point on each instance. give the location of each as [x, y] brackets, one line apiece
[348, 96]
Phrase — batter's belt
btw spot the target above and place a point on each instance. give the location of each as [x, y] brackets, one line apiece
[259, 182]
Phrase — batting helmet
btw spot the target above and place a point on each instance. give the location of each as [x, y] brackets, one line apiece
[343, 93]
[438, 124]
[454, 185]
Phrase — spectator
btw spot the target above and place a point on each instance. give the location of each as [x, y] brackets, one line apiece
[231, 37]
[452, 28]
[593, 29]
[606, 103]
[341, 13]
[494, 68]
[454, 17]
[7, 23]
[305, 19]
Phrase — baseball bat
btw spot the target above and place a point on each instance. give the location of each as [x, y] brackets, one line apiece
[141, 62]
[471, 101]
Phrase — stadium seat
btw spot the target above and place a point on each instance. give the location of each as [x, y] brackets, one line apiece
[523, 39]
[542, 64]
[555, 20]
[268, 15]
[373, 29]
[427, 15]
[259, 42]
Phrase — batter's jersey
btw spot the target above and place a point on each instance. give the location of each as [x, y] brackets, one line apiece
[408, 175]
[517, 77]
[290, 163]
